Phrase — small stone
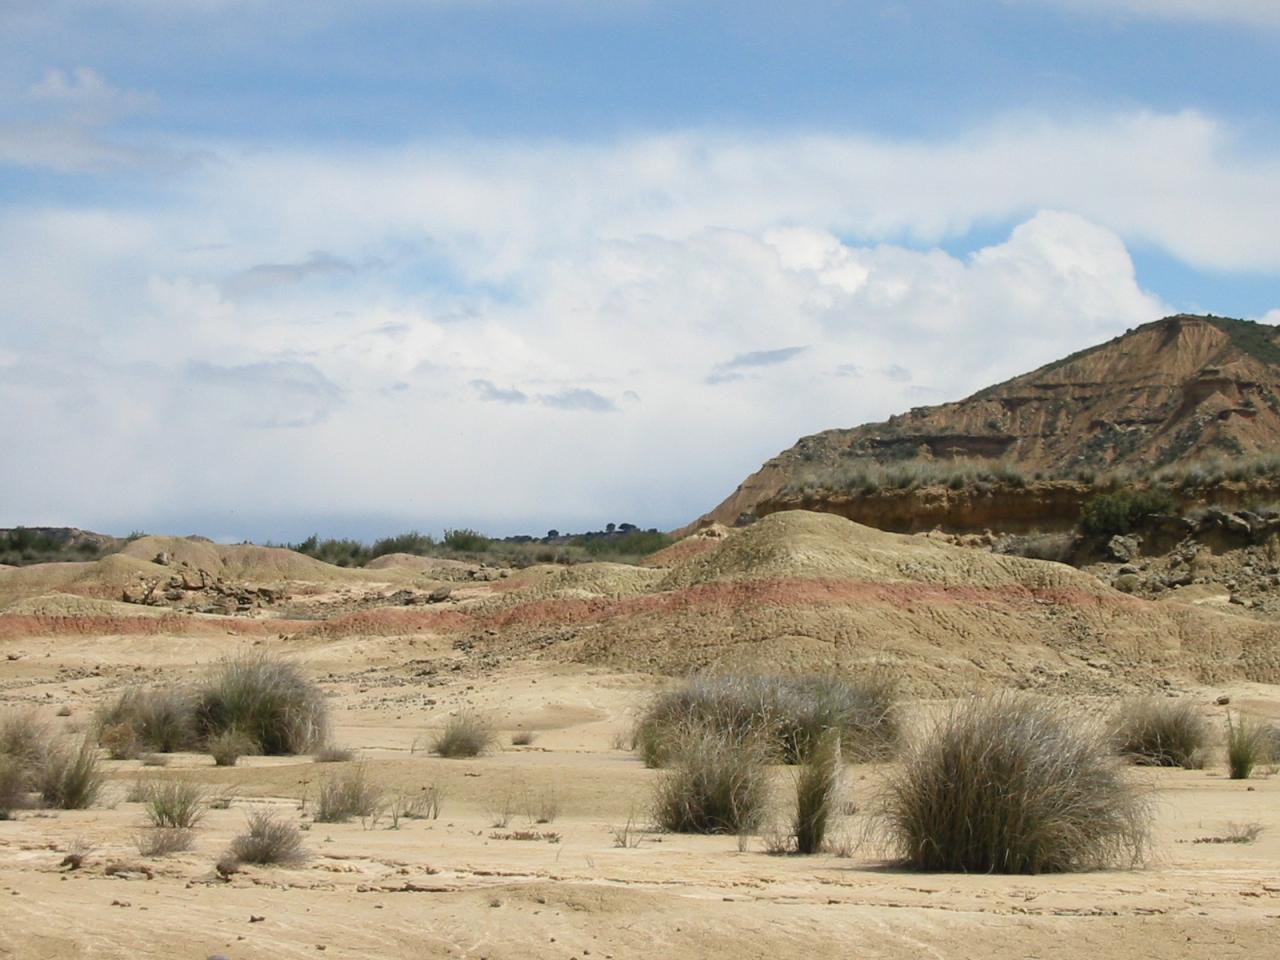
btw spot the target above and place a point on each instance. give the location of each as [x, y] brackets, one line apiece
[1223, 700]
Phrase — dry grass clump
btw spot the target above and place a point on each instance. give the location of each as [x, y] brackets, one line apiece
[269, 840]
[228, 747]
[464, 735]
[70, 778]
[717, 783]
[151, 718]
[349, 795]
[331, 753]
[24, 746]
[267, 700]
[817, 793]
[1248, 744]
[522, 738]
[163, 841]
[1161, 733]
[789, 713]
[1010, 784]
[174, 803]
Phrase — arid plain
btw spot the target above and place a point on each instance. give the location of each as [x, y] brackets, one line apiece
[570, 655]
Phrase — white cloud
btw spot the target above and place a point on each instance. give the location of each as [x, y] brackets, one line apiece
[330, 332]
[1264, 13]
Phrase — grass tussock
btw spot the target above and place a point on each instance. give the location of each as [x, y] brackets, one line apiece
[1161, 733]
[1248, 745]
[24, 737]
[269, 840]
[14, 785]
[464, 735]
[229, 746]
[788, 713]
[817, 793]
[146, 718]
[164, 841]
[174, 803]
[331, 753]
[716, 783]
[70, 778]
[347, 795]
[1011, 784]
[269, 701]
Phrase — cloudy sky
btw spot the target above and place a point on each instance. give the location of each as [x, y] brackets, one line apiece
[270, 267]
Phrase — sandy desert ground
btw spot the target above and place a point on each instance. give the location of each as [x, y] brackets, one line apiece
[460, 886]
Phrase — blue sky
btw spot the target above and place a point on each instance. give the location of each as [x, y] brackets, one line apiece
[275, 267]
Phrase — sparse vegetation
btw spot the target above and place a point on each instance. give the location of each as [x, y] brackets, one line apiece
[717, 783]
[522, 738]
[1236, 833]
[228, 747]
[174, 803]
[1010, 784]
[163, 841]
[1161, 733]
[788, 713]
[269, 840]
[267, 700]
[14, 781]
[464, 735]
[331, 753]
[70, 778]
[1247, 746]
[151, 718]
[350, 794]
[817, 792]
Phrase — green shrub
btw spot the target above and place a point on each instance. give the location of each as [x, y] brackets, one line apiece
[174, 803]
[269, 840]
[350, 795]
[789, 713]
[70, 779]
[1247, 746]
[464, 735]
[717, 783]
[1122, 511]
[1161, 733]
[817, 792]
[466, 541]
[267, 700]
[1008, 784]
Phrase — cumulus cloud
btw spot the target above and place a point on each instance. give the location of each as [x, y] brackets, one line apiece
[523, 286]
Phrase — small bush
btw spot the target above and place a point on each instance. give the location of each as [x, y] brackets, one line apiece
[346, 796]
[228, 747]
[14, 781]
[464, 735]
[24, 737]
[154, 718]
[1161, 733]
[522, 738]
[717, 783]
[1247, 746]
[70, 779]
[789, 713]
[817, 789]
[267, 700]
[162, 841]
[1008, 784]
[174, 803]
[329, 753]
[269, 840]
[1122, 511]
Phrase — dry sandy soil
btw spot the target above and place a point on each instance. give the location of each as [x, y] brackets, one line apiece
[570, 655]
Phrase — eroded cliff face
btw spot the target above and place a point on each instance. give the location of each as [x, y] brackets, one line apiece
[1177, 390]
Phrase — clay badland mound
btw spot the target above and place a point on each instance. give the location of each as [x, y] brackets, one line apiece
[812, 591]
[1176, 390]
